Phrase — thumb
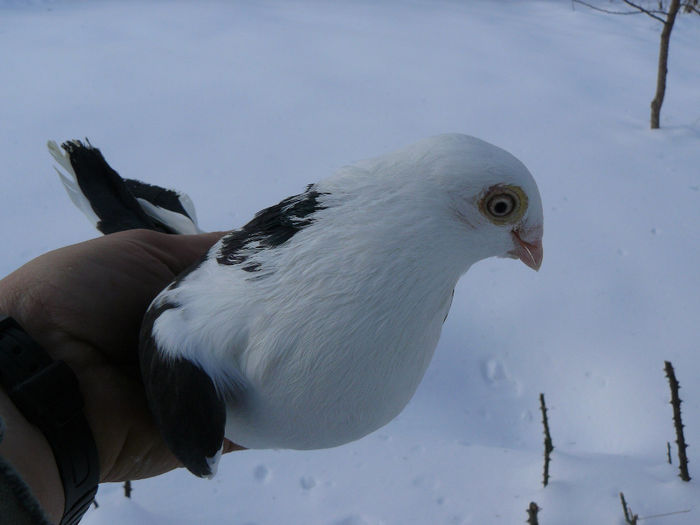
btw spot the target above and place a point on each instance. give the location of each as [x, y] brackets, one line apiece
[178, 251]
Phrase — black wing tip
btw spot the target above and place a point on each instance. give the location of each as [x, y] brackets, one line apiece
[184, 402]
[199, 466]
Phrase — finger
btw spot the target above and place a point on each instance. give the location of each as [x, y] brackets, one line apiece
[200, 241]
[230, 446]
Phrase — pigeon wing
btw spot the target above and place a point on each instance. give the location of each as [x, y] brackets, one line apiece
[183, 399]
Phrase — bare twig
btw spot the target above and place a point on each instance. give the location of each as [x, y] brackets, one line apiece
[654, 516]
[548, 446]
[652, 14]
[607, 11]
[639, 10]
[677, 421]
[532, 511]
[127, 489]
[668, 453]
[630, 517]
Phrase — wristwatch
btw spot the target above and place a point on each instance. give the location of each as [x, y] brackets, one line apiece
[48, 395]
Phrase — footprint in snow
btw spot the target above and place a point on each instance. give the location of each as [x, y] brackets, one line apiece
[307, 482]
[261, 473]
[496, 374]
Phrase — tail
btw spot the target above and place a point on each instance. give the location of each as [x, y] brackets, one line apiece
[114, 204]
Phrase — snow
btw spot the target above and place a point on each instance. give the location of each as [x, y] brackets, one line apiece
[242, 104]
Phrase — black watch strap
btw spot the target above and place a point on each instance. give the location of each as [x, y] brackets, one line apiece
[48, 395]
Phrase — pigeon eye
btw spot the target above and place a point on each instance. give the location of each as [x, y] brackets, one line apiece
[503, 204]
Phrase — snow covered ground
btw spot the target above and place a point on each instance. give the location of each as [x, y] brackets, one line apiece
[242, 104]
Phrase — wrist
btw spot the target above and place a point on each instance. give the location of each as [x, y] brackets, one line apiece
[43, 395]
[25, 447]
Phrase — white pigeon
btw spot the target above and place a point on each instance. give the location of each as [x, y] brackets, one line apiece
[312, 325]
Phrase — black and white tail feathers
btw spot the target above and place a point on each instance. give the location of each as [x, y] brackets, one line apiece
[114, 204]
[182, 397]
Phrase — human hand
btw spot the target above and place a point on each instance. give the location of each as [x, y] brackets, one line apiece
[83, 304]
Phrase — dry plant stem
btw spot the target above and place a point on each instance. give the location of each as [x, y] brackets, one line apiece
[629, 516]
[532, 511]
[677, 421]
[548, 446]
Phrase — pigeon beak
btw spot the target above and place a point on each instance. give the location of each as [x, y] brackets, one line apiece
[530, 253]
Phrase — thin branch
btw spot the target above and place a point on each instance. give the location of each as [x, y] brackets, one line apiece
[591, 6]
[647, 12]
[655, 516]
[690, 6]
[639, 10]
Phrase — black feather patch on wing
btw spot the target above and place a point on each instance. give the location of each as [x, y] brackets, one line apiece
[269, 228]
[109, 197]
[183, 400]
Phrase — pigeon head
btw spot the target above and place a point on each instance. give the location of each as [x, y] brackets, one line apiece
[464, 198]
[493, 195]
